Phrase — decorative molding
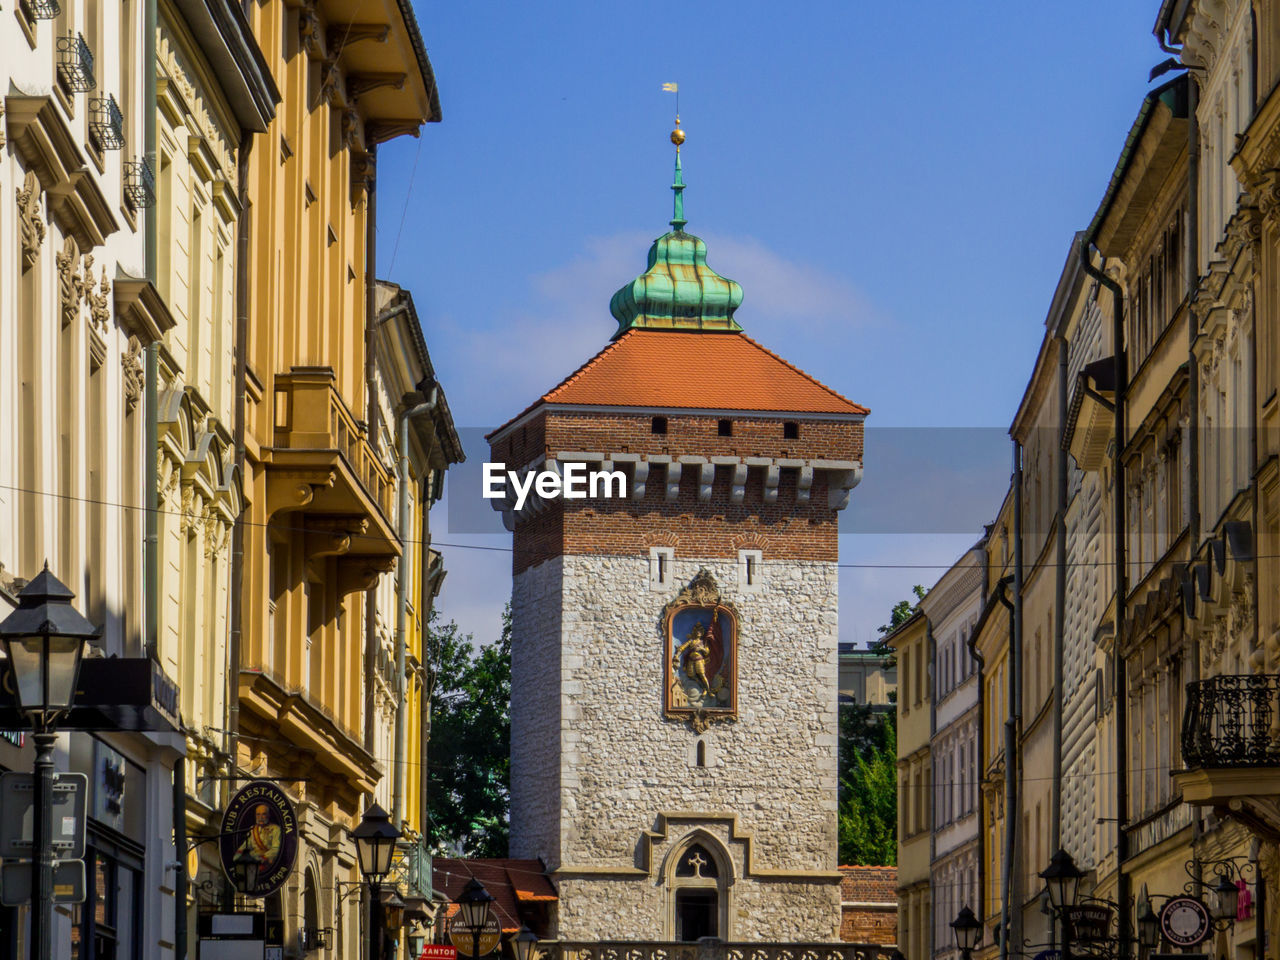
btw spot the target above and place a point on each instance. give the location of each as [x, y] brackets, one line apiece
[141, 310]
[30, 219]
[192, 104]
[49, 149]
[71, 283]
[358, 84]
[99, 302]
[341, 37]
[134, 379]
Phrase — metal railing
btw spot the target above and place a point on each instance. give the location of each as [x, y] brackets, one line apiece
[1231, 721]
[75, 63]
[139, 183]
[106, 123]
[710, 949]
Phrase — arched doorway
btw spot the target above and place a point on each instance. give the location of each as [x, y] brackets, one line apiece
[698, 876]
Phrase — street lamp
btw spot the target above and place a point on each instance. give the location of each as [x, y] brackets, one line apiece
[245, 867]
[1062, 879]
[375, 839]
[525, 944]
[1148, 926]
[473, 909]
[1228, 898]
[967, 931]
[44, 639]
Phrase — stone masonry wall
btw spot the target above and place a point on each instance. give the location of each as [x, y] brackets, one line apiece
[622, 762]
[535, 714]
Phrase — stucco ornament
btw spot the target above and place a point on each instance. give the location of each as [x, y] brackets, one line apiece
[134, 379]
[71, 282]
[99, 302]
[30, 218]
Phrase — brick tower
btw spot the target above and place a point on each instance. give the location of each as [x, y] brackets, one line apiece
[674, 654]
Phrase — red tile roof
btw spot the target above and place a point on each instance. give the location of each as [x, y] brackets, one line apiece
[709, 371]
[510, 882]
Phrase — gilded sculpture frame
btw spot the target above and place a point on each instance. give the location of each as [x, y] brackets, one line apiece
[702, 593]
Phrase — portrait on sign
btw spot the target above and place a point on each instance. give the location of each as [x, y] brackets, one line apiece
[259, 839]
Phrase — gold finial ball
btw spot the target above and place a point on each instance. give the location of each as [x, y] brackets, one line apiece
[677, 136]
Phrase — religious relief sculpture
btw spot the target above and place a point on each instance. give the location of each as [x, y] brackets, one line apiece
[701, 633]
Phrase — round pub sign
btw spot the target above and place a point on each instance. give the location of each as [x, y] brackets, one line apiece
[259, 839]
[464, 940]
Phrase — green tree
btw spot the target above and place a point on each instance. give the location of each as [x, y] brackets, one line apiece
[867, 817]
[902, 611]
[469, 756]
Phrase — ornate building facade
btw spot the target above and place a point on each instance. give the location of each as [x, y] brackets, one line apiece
[673, 699]
[332, 524]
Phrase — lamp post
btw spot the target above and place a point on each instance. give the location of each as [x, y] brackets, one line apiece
[1062, 880]
[44, 639]
[375, 839]
[473, 908]
[968, 931]
[525, 944]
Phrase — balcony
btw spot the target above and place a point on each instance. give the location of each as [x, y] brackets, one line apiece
[322, 468]
[711, 949]
[1231, 745]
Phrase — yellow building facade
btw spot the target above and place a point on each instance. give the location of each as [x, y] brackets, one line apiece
[320, 534]
[910, 645]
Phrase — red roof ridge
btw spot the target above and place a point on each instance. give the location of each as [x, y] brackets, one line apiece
[812, 379]
[667, 338]
[589, 362]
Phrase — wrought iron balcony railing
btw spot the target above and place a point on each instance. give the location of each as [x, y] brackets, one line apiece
[710, 949]
[1231, 721]
[139, 184]
[41, 9]
[75, 63]
[106, 123]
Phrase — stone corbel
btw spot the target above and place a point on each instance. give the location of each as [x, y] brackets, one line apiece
[674, 469]
[638, 480]
[804, 484]
[840, 484]
[358, 84]
[296, 492]
[339, 38]
[706, 477]
[361, 573]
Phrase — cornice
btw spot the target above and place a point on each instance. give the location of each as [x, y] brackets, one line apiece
[48, 147]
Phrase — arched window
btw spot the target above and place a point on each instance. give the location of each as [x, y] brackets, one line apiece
[697, 882]
[310, 911]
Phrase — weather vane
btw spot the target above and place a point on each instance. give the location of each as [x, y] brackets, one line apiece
[677, 135]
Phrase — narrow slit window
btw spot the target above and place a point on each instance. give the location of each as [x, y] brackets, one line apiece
[726, 428]
[702, 753]
[751, 570]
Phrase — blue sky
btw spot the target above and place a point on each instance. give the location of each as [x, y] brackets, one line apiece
[895, 186]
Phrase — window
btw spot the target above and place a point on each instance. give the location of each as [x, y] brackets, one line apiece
[725, 428]
[750, 571]
[660, 561]
[791, 430]
[658, 425]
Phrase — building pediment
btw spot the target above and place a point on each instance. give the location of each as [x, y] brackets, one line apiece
[48, 147]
